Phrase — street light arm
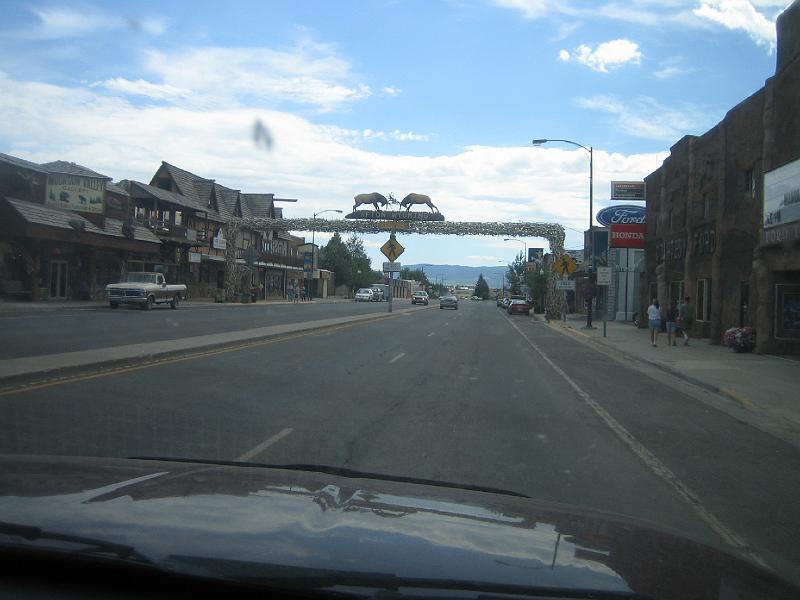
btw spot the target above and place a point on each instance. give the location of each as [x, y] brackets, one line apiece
[544, 141]
[336, 210]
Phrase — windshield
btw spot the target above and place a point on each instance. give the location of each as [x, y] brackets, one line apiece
[142, 277]
[629, 172]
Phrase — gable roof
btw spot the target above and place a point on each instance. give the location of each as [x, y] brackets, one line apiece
[70, 168]
[116, 189]
[259, 206]
[20, 162]
[143, 191]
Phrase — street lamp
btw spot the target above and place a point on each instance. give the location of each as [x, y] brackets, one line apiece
[523, 242]
[591, 211]
[314, 218]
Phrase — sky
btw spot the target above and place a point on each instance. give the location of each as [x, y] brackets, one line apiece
[439, 97]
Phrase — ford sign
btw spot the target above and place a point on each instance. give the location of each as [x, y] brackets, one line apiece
[622, 214]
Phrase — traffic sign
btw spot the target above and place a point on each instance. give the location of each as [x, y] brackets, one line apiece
[565, 285]
[391, 267]
[603, 275]
[392, 249]
[566, 265]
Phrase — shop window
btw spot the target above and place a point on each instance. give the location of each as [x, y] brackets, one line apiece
[675, 292]
[787, 311]
[703, 306]
[178, 217]
[750, 184]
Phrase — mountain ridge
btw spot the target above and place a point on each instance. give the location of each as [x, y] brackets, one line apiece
[462, 274]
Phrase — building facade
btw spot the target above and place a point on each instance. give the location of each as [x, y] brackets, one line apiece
[712, 231]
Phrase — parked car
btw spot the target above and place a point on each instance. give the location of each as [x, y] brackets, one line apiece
[365, 295]
[419, 298]
[380, 291]
[448, 302]
[146, 290]
[519, 307]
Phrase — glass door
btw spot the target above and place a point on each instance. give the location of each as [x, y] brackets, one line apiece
[58, 279]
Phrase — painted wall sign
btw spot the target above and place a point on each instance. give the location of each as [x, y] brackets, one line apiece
[622, 214]
[628, 190]
[704, 241]
[671, 250]
[627, 236]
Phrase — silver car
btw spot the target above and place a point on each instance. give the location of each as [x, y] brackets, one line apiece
[448, 302]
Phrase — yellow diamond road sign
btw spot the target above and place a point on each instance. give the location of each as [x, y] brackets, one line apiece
[392, 249]
[565, 265]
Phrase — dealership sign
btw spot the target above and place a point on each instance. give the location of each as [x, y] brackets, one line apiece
[622, 214]
[782, 195]
[627, 236]
[628, 190]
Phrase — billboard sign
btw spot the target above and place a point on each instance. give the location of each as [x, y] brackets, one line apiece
[73, 192]
[627, 236]
[622, 214]
[631, 191]
[535, 254]
[782, 195]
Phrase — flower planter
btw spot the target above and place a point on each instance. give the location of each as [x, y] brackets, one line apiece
[740, 339]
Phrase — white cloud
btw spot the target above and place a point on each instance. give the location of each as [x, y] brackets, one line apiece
[312, 162]
[608, 55]
[391, 90]
[140, 87]
[55, 22]
[740, 15]
[645, 117]
[530, 9]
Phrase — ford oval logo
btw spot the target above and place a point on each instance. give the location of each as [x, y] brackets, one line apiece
[622, 214]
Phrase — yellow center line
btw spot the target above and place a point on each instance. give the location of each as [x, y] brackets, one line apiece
[176, 359]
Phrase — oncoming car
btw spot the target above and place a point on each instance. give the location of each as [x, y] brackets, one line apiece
[448, 302]
[419, 298]
[364, 295]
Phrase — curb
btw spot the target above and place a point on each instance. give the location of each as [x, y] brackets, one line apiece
[730, 394]
[101, 365]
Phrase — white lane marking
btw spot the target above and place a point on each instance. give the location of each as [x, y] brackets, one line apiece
[398, 357]
[265, 444]
[650, 460]
[431, 334]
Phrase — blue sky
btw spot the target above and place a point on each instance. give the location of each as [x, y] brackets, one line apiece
[436, 97]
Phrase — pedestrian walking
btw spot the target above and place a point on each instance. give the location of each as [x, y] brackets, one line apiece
[654, 321]
[672, 323]
[302, 294]
[686, 318]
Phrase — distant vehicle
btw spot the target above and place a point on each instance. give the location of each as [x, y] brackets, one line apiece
[477, 298]
[419, 298]
[365, 295]
[380, 291]
[500, 300]
[146, 290]
[516, 307]
[448, 302]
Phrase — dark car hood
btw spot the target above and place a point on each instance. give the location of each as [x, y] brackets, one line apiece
[249, 523]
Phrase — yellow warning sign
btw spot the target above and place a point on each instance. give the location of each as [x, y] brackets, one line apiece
[392, 249]
[566, 265]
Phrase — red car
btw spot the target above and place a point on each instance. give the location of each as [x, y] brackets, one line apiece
[519, 307]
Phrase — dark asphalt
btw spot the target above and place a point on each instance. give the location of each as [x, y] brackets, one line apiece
[37, 332]
[457, 396]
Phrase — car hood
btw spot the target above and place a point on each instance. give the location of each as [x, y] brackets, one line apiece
[130, 285]
[336, 529]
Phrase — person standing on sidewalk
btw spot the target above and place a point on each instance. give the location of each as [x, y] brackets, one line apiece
[654, 321]
[672, 324]
[686, 316]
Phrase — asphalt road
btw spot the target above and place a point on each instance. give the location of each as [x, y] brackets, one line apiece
[37, 331]
[469, 396]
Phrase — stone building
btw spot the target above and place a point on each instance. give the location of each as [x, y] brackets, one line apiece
[709, 235]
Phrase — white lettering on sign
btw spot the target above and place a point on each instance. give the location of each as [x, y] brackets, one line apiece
[627, 217]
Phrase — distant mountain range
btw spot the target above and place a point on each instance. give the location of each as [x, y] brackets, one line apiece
[461, 275]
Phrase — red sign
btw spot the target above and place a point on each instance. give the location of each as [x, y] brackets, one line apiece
[627, 236]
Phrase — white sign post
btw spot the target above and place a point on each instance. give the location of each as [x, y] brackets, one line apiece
[604, 276]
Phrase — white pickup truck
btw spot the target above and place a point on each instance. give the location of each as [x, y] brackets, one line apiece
[145, 289]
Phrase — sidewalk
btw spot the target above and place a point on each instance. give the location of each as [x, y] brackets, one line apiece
[761, 383]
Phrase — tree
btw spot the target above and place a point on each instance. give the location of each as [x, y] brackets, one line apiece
[516, 274]
[349, 262]
[482, 288]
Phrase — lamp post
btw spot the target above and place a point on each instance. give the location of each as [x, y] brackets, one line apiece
[313, 239]
[591, 211]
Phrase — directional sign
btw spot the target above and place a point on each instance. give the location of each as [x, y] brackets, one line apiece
[392, 267]
[565, 284]
[392, 249]
[566, 265]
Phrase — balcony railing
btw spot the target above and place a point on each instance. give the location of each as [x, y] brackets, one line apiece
[167, 229]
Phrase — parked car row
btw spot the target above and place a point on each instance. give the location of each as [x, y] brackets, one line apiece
[514, 305]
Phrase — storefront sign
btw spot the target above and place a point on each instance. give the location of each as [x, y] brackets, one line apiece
[218, 242]
[628, 190]
[73, 192]
[535, 254]
[622, 214]
[671, 250]
[195, 257]
[785, 233]
[704, 241]
[782, 195]
[627, 236]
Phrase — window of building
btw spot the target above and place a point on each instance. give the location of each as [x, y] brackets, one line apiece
[703, 306]
[653, 289]
[750, 183]
[706, 207]
[671, 215]
[675, 292]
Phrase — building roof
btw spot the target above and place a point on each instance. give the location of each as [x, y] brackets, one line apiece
[20, 162]
[38, 214]
[70, 168]
[116, 189]
[260, 206]
[140, 191]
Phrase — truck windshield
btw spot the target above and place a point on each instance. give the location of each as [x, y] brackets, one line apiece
[142, 277]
